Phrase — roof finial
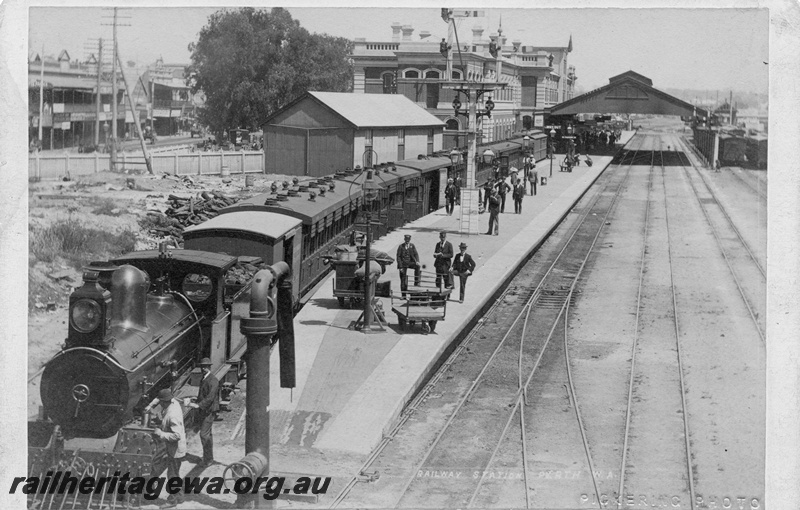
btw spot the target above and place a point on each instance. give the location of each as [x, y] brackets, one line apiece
[500, 27]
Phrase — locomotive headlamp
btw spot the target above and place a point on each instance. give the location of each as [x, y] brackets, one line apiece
[86, 315]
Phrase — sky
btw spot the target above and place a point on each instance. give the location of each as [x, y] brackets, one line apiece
[707, 49]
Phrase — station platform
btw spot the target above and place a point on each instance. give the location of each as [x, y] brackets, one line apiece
[351, 386]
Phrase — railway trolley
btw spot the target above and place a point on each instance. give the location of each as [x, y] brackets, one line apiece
[425, 303]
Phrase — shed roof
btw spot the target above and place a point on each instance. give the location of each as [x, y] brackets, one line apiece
[377, 110]
[264, 223]
[424, 165]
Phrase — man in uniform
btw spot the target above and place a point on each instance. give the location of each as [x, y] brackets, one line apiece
[172, 432]
[443, 254]
[463, 266]
[407, 256]
[207, 406]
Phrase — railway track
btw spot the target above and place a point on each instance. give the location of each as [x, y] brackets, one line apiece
[747, 272]
[662, 466]
[757, 189]
[521, 346]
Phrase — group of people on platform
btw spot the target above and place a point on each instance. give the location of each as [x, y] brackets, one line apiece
[446, 264]
[496, 189]
[171, 430]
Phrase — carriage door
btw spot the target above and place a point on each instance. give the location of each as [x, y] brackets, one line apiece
[432, 188]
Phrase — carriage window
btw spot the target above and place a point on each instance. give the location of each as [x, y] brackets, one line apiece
[411, 194]
[397, 199]
[197, 287]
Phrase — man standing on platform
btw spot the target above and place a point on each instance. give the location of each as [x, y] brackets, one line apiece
[172, 432]
[443, 254]
[459, 185]
[518, 193]
[494, 213]
[533, 176]
[502, 189]
[463, 266]
[207, 406]
[450, 194]
[407, 256]
[487, 192]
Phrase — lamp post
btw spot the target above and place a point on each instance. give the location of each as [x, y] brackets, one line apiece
[473, 92]
[370, 190]
[552, 134]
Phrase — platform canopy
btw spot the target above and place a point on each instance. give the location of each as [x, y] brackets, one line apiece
[629, 92]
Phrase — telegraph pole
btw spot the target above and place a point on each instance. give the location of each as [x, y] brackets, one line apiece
[114, 98]
[137, 128]
[41, 96]
[98, 98]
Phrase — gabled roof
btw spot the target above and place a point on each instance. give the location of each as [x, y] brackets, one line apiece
[596, 101]
[632, 75]
[377, 110]
[63, 56]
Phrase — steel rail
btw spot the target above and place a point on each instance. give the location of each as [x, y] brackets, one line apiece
[724, 254]
[746, 182]
[563, 311]
[636, 334]
[679, 352]
[727, 217]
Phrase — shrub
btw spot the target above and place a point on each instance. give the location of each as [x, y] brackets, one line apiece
[108, 207]
[76, 243]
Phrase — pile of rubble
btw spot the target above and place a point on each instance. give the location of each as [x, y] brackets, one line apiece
[183, 212]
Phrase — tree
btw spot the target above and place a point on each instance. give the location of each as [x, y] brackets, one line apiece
[250, 63]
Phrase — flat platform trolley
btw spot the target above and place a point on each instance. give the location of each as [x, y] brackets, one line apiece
[425, 304]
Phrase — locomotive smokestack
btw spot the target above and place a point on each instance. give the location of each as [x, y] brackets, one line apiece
[129, 298]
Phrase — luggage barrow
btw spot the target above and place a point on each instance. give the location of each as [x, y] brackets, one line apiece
[424, 305]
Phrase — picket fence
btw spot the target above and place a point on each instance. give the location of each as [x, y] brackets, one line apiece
[58, 166]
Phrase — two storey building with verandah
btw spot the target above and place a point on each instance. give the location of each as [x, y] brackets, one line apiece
[536, 77]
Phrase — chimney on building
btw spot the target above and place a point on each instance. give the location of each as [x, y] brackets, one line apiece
[424, 34]
[396, 32]
[477, 34]
[407, 31]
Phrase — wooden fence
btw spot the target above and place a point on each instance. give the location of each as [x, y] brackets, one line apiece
[56, 167]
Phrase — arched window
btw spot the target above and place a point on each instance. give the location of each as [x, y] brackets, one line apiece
[457, 74]
[410, 73]
[389, 84]
[432, 74]
[452, 124]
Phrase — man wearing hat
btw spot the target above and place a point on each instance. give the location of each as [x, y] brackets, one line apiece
[463, 266]
[173, 434]
[450, 193]
[407, 256]
[443, 255]
[207, 406]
